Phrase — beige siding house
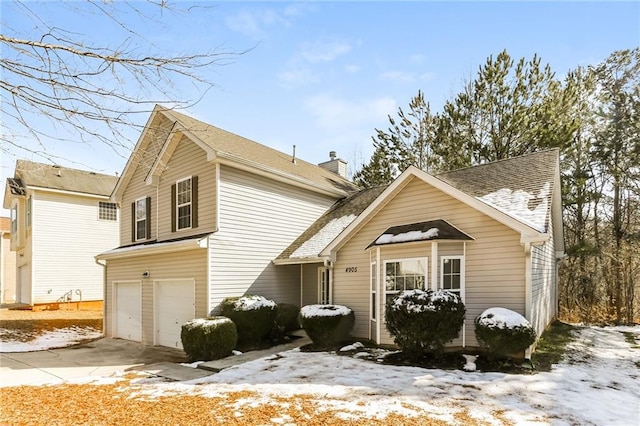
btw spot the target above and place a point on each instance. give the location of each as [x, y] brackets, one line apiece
[60, 219]
[7, 263]
[207, 214]
[490, 233]
[204, 213]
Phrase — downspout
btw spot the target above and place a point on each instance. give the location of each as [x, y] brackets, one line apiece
[104, 295]
[378, 295]
[301, 284]
[329, 265]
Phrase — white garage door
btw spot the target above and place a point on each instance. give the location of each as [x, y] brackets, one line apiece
[127, 310]
[175, 305]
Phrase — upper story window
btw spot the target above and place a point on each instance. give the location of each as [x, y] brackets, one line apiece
[107, 211]
[14, 219]
[404, 274]
[141, 219]
[184, 204]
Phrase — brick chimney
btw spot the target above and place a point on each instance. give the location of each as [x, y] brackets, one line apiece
[335, 165]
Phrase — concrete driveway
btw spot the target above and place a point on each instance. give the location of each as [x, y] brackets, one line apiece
[101, 357]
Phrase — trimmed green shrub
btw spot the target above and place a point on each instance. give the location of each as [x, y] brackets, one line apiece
[204, 339]
[423, 321]
[327, 325]
[287, 317]
[254, 316]
[504, 332]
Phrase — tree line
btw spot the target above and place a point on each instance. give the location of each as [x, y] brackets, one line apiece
[511, 108]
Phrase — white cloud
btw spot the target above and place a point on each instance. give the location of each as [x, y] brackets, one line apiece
[254, 23]
[334, 113]
[325, 51]
[352, 69]
[297, 76]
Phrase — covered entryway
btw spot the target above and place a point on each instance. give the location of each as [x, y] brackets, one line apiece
[174, 305]
[127, 310]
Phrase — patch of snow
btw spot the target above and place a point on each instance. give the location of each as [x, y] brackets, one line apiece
[408, 236]
[516, 204]
[208, 321]
[192, 364]
[58, 338]
[428, 297]
[236, 352]
[353, 347]
[470, 362]
[248, 303]
[314, 245]
[502, 318]
[313, 311]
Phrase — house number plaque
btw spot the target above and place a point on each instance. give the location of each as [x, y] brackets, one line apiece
[351, 269]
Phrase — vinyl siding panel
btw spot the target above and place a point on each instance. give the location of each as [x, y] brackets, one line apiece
[179, 265]
[495, 261]
[543, 285]
[310, 286]
[259, 218]
[66, 234]
[188, 160]
[137, 188]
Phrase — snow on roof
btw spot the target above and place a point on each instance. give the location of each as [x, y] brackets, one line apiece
[314, 311]
[525, 206]
[422, 231]
[323, 237]
[502, 318]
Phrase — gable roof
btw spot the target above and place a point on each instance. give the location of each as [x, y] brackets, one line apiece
[47, 176]
[229, 148]
[519, 192]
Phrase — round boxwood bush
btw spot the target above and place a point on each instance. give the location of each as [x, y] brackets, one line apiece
[204, 339]
[327, 325]
[423, 321]
[287, 317]
[254, 316]
[504, 332]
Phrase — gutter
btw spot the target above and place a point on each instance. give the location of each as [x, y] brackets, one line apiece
[157, 248]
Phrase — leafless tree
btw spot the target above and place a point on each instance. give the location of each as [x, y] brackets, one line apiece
[85, 89]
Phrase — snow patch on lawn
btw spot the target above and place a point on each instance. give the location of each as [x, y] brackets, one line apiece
[58, 338]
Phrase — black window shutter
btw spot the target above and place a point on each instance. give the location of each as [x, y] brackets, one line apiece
[173, 208]
[194, 202]
[148, 216]
[133, 222]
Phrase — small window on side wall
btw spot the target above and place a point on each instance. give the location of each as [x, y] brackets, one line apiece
[451, 275]
[107, 211]
[141, 219]
[184, 204]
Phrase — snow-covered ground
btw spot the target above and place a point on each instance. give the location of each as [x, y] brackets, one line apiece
[53, 339]
[597, 384]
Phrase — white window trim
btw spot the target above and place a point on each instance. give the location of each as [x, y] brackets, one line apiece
[323, 278]
[462, 274]
[138, 238]
[29, 211]
[383, 284]
[190, 203]
[14, 219]
[373, 291]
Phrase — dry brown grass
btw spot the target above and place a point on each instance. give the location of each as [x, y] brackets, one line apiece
[122, 404]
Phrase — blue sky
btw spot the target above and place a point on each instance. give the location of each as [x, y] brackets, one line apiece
[324, 75]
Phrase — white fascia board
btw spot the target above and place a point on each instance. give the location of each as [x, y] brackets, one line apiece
[299, 260]
[129, 168]
[525, 230]
[62, 191]
[153, 249]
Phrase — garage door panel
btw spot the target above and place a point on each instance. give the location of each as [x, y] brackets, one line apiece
[128, 311]
[174, 305]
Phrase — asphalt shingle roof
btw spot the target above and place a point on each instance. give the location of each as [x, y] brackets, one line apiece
[49, 176]
[422, 231]
[521, 187]
[240, 147]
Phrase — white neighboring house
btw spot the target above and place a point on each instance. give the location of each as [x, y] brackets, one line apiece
[60, 219]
